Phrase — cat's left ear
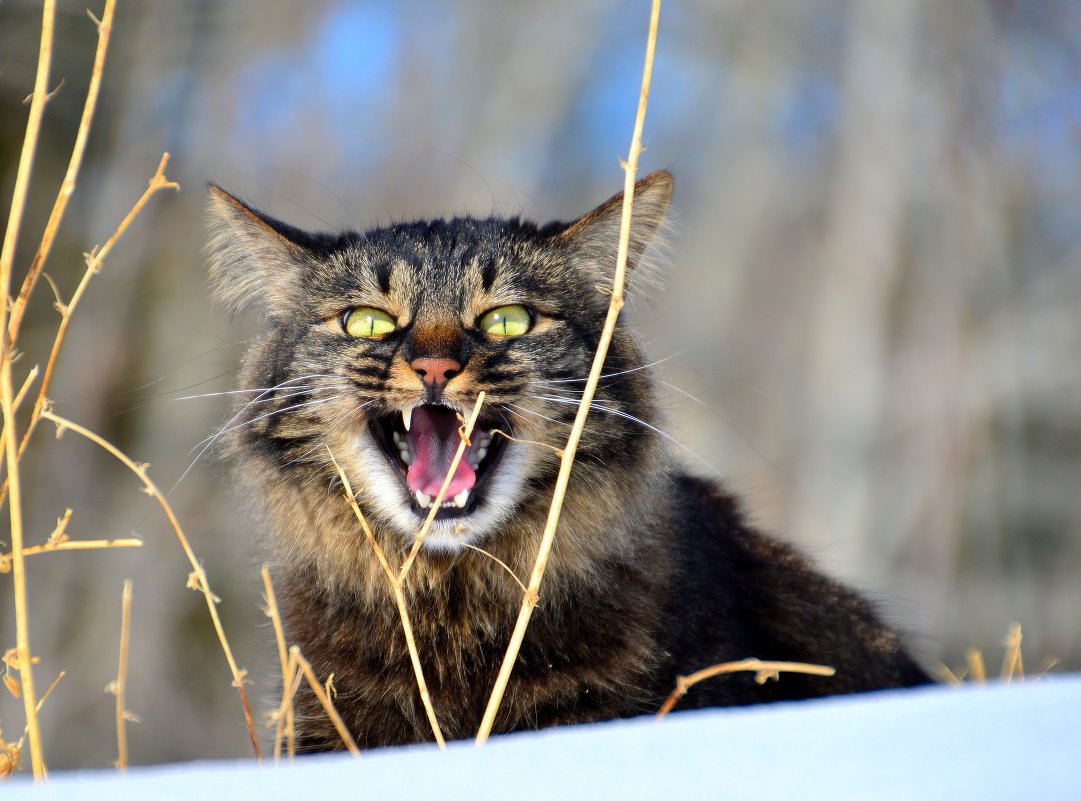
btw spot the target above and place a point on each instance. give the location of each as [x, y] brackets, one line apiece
[254, 259]
[597, 233]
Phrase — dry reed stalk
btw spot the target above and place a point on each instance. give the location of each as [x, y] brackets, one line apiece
[285, 723]
[196, 580]
[324, 698]
[67, 187]
[764, 671]
[532, 595]
[7, 258]
[119, 686]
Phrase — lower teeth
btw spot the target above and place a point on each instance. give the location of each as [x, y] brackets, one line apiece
[457, 502]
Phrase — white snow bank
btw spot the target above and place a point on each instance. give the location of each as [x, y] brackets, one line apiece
[1008, 742]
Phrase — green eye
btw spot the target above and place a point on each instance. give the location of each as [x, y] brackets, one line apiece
[368, 323]
[506, 321]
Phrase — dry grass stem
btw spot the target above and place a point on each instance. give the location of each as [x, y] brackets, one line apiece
[67, 187]
[197, 579]
[949, 677]
[764, 671]
[11, 753]
[30, 143]
[399, 600]
[70, 545]
[532, 594]
[20, 396]
[7, 258]
[397, 580]
[285, 721]
[119, 687]
[289, 691]
[976, 669]
[324, 699]
[18, 747]
[94, 261]
[499, 562]
[1011, 663]
[505, 435]
[1046, 666]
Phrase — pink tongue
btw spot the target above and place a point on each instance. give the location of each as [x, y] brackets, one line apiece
[434, 434]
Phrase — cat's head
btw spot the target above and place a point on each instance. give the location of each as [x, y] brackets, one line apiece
[377, 344]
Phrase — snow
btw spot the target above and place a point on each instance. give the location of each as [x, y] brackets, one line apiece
[1008, 742]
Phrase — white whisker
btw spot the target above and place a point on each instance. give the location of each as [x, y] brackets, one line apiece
[240, 412]
[621, 372]
[728, 423]
[643, 423]
[535, 414]
[333, 424]
[308, 388]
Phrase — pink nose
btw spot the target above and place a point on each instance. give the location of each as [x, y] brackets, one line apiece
[436, 371]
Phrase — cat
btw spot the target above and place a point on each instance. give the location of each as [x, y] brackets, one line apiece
[373, 344]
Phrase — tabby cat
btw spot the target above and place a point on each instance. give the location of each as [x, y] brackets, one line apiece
[374, 343]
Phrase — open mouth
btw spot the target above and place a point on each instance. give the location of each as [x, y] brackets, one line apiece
[420, 444]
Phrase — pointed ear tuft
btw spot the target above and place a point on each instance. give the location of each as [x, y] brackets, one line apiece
[254, 259]
[597, 233]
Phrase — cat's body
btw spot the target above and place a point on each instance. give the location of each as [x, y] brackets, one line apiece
[653, 574]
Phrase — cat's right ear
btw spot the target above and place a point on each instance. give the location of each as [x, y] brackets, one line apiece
[254, 259]
[597, 233]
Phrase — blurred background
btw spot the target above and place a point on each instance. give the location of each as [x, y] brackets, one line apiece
[870, 329]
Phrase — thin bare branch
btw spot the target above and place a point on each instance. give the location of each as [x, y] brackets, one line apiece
[532, 594]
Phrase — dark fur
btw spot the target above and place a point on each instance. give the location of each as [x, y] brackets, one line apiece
[654, 573]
